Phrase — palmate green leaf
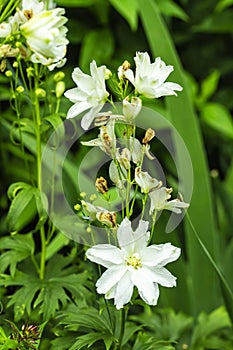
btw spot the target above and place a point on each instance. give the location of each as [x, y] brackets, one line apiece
[18, 248]
[87, 340]
[128, 9]
[146, 342]
[165, 323]
[60, 282]
[207, 325]
[88, 320]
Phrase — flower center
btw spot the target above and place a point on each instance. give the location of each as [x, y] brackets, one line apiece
[134, 261]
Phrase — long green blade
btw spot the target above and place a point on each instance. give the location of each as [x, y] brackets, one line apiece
[202, 280]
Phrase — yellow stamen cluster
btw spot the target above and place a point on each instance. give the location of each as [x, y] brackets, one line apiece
[134, 261]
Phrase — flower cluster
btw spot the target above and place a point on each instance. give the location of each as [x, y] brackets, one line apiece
[131, 262]
[91, 94]
[35, 33]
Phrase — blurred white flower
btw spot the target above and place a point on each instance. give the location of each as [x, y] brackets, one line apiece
[90, 94]
[133, 264]
[149, 79]
[145, 181]
[45, 34]
[159, 201]
[132, 109]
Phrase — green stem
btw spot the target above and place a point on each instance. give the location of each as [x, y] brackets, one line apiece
[211, 260]
[38, 161]
[122, 329]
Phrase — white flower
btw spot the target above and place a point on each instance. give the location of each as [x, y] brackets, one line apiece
[149, 79]
[145, 181]
[45, 34]
[132, 109]
[133, 264]
[159, 201]
[90, 93]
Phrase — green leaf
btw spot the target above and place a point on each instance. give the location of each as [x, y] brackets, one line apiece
[87, 340]
[128, 9]
[59, 241]
[27, 201]
[165, 323]
[59, 283]
[220, 22]
[147, 342]
[58, 130]
[171, 9]
[218, 118]
[22, 209]
[101, 52]
[223, 4]
[184, 120]
[208, 324]
[209, 86]
[18, 247]
[75, 3]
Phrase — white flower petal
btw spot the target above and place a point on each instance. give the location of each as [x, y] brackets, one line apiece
[88, 118]
[148, 291]
[110, 278]
[162, 276]
[105, 255]
[160, 255]
[123, 291]
[77, 108]
[125, 236]
[141, 235]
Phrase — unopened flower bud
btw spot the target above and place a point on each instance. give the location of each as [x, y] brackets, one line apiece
[59, 76]
[83, 194]
[15, 64]
[107, 74]
[30, 72]
[101, 185]
[88, 229]
[20, 89]
[41, 93]
[8, 74]
[60, 88]
[149, 134]
[77, 207]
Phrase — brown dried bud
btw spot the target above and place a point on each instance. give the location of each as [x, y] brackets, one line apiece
[107, 218]
[101, 185]
[125, 65]
[149, 134]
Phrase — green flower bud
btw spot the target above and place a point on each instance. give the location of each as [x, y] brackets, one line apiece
[59, 76]
[60, 88]
[20, 89]
[30, 72]
[8, 74]
[41, 93]
[15, 64]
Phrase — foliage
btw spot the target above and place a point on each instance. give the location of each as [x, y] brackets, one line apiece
[44, 278]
